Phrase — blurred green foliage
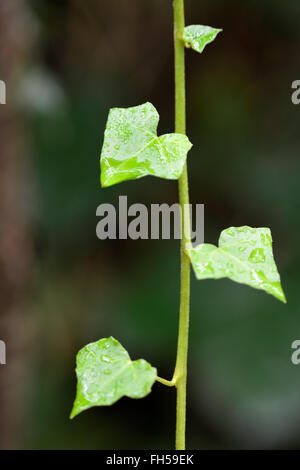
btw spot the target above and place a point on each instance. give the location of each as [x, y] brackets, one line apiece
[244, 166]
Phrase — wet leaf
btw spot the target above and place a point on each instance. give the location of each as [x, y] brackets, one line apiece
[198, 36]
[132, 149]
[105, 373]
[244, 255]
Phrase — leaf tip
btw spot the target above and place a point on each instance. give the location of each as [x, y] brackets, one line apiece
[104, 181]
[75, 410]
[282, 297]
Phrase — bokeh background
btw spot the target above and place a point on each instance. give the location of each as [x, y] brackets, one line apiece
[65, 64]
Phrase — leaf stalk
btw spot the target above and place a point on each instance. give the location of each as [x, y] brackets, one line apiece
[180, 373]
[168, 383]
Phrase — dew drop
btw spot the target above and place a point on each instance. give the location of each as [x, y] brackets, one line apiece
[105, 358]
[257, 256]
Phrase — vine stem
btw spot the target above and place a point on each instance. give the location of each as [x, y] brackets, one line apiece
[180, 373]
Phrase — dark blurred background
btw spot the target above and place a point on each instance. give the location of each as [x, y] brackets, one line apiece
[65, 64]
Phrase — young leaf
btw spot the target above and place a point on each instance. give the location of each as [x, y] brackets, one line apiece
[105, 373]
[198, 36]
[244, 255]
[132, 149]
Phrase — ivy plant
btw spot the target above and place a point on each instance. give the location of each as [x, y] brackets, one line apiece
[132, 149]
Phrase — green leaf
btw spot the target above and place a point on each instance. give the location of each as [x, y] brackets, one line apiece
[105, 373]
[244, 255]
[198, 36]
[132, 149]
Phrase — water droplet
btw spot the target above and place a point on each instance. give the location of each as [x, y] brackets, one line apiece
[257, 255]
[105, 358]
[207, 268]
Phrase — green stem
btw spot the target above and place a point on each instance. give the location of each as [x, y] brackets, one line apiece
[180, 373]
[168, 383]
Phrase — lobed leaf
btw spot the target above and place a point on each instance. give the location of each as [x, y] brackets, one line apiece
[132, 149]
[244, 255]
[198, 36]
[105, 373]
